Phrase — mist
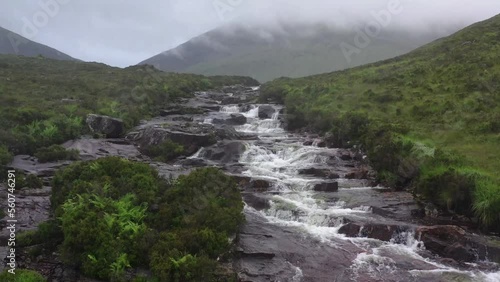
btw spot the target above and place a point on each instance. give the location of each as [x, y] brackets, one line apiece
[123, 33]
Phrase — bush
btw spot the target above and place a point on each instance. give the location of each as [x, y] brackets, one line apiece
[5, 159]
[56, 153]
[165, 151]
[32, 181]
[109, 225]
[22, 275]
[48, 233]
[99, 233]
[111, 177]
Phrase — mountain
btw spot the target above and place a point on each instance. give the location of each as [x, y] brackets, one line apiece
[291, 50]
[428, 120]
[15, 44]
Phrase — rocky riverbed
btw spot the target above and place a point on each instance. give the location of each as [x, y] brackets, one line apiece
[313, 213]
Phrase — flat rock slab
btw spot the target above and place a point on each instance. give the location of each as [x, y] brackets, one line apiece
[268, 252]
[91, 149]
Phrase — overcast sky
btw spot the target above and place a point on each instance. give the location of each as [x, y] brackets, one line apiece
[125, 32]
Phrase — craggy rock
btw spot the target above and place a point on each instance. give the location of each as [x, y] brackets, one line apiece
[233, 119]
[111, 127]
[447, 241]
[327, 187]
[319, 172]
[192, 136]
[360, 173]
[256, 201]
[266, 112]
[231, 100]
[224, 152]
[381, 232]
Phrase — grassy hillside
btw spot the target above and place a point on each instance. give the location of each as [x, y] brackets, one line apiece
[294, 50]
[429, 119]
[45, 102]
[15, 44]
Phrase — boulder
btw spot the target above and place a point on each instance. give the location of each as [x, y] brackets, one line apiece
[447, 241]
[256, 201]
[111, 127]
[359, 173]
[266, 112]
[233, 119]
[327, 187]
[319, 172]
[382, 232]
[192, 136]
[231, 100]
[224, 152]
[260, 184]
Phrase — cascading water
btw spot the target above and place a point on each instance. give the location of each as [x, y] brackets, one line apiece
[295, 204]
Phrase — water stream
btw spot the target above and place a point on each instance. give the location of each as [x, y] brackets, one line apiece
[278, 156]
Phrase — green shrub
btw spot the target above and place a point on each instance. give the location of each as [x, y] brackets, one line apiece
[206, 197]
[48, 233]
[32, 181]
[22, 275]
[56, 153]
[112, 177]
[487, 203]
[99, 233]
[109, 225]
[165, 151]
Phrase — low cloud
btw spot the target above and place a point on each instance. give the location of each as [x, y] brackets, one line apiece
[122, 33]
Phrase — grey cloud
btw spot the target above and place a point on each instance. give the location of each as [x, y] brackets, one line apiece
[122, 33]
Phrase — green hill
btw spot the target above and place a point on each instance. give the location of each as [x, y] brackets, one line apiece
[429, 119]
[291, 50]
[45, 102]
[15, 44]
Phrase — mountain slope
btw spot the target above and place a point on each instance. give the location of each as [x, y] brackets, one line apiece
[15, 44]
[429, 119]
[289, 50]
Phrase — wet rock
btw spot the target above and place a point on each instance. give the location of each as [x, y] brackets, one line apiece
[418, 213]
[193, 162]
[447, 241]
[233, 119]
[183, 118]
[111, 127]
[319, 172]
[327, 187]
[345, 156]
[246, 108]
[191, 136]
[359, 173]
[266, 112]
[256, 201]
[180, 110]
[212, 108]
[224, 152]
[351, 229]
[231, 100]
[382, 232]
[308, 143]
[242, 180]
[260, 184]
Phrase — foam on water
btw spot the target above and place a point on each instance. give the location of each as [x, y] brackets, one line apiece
[298, 206]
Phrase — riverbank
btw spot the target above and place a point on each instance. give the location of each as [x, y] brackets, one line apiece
[313, 213]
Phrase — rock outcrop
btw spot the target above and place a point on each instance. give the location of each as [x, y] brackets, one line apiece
[110, 127]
